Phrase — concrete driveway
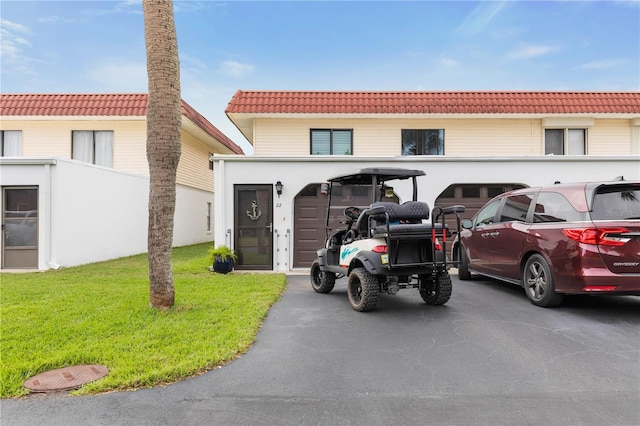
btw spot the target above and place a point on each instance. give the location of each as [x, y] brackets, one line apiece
[488, 357]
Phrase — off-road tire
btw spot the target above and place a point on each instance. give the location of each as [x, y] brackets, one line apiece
[438, 291]
[362, 289]
[463, 268]
[538, 284]
[322, 282]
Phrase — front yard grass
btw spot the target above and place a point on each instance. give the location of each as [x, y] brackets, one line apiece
[100, 314]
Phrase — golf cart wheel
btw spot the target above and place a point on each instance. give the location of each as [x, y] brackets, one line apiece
[436, 291]
[538, 283]
[362, 289]
[463, 269]
[322, 282]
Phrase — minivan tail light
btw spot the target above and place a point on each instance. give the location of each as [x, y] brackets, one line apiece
[597, 236]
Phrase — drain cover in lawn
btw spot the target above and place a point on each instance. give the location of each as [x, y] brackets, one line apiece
[66, 378]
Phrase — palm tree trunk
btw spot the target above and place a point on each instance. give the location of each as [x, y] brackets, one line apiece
[163, 144]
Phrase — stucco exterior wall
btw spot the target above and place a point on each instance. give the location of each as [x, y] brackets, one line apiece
[190, 219]
[89, 214]
[296, 172]
[463, 137]
[96, 213]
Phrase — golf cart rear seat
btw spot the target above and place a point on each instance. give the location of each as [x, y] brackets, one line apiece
[384, 219]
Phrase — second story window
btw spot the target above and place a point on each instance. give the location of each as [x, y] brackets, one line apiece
[565, 141]
[422, 142]
[10, 143]
[95, 147]
[331, 142]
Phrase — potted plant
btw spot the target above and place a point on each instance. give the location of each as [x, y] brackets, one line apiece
[223, 259]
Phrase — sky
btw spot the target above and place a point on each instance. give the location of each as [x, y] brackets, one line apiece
[225, 46]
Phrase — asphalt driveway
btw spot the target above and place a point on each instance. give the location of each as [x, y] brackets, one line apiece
[488, 357]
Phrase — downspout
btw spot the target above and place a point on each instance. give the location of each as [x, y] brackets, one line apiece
[48, 242]
[219, 216]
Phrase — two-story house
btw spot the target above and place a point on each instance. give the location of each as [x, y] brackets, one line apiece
[472, 146]
[74, 178]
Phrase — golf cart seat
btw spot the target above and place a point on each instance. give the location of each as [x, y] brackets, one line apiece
[384, 218]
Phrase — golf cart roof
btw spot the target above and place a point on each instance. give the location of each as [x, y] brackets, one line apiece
[383, 174]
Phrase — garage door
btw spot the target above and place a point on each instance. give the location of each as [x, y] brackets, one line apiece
[472, 197]
[309, 211]
[309, 217]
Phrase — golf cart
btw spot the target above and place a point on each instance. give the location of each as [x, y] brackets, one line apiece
[385, 246]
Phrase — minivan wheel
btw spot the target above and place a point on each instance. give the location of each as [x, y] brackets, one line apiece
[322, 282]
[538, 283]
[463, 268]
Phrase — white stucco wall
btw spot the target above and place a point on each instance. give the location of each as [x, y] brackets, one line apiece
[297, 172]
[96, 213]
[190, 218]
[89, 214]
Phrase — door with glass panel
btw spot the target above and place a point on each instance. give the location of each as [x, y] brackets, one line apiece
[253, 242]
[20, 227]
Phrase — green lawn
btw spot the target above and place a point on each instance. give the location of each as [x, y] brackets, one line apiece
[100, 314]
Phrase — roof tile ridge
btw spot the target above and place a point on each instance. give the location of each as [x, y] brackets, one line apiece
[212, 130]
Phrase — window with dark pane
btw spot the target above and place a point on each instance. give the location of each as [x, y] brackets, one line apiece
[423, 142]
[331, 142]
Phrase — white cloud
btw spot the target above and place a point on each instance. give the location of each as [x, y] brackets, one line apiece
[529, 51]
[601, 65]
[13, 26]
[13, 47]
[480, 17]
[236, 69]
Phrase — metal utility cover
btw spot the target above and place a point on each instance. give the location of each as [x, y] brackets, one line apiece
[66, 378]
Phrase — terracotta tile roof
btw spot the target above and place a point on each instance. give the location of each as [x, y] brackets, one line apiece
[204, 124]
[294, 102]
[98, 105]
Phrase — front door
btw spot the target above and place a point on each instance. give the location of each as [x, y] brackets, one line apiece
[20, 227]
[253, 241]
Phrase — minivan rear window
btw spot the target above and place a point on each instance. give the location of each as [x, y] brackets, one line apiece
[617, 202]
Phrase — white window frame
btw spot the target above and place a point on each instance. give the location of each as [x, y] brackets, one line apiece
[421, 144]
[567, 146]
[10, 143]
[93, 146]
[331, 142]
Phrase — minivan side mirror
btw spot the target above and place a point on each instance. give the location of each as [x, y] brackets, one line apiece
[466, 224]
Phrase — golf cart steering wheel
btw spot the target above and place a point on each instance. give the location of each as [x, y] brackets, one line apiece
[352, 213]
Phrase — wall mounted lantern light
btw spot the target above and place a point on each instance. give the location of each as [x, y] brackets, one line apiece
[279, 188]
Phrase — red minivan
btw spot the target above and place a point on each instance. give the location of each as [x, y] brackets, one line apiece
[578, 238]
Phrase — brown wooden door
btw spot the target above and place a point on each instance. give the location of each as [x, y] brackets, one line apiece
[253, 236]
[20, 227]
[309, 230]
